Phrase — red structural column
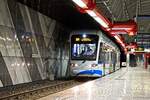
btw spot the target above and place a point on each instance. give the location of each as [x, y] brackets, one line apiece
[146, 62]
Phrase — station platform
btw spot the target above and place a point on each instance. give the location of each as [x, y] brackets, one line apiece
[131, 83]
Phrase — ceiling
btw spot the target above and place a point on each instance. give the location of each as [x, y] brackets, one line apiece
[115, 10]
[123, 10]
[64, 11]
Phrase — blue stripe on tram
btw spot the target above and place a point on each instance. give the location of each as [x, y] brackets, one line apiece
[91, 72]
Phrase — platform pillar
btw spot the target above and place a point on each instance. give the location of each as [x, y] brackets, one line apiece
[145, 56]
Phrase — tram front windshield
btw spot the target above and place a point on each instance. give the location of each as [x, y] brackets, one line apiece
[84, 50]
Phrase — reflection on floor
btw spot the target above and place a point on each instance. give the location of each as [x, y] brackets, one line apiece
[125, 84]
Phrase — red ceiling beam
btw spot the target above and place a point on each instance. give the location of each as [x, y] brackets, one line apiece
[89, 6]
[129, 27]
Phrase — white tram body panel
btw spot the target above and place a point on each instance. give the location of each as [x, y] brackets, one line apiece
[87, 64]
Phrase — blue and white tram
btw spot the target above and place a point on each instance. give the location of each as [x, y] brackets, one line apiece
[91, 54]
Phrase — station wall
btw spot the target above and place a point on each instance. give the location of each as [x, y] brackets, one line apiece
[32, 46]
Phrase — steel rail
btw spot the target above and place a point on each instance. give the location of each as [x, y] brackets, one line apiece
[39, 92]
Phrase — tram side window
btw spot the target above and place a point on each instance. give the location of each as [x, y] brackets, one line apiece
[101, 54]
[114, 58]
[133, 60]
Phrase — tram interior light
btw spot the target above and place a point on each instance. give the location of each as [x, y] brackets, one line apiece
[80, 3]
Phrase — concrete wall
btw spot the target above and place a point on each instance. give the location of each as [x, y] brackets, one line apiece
[32, 46]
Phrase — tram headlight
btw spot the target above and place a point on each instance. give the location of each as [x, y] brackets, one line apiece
[74, 65]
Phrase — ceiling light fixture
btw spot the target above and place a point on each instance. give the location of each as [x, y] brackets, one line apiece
[91, 13]
[80, 3]
[101, 22]
[96, 16]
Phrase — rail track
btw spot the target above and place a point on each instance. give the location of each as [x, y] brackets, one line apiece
[35, 92]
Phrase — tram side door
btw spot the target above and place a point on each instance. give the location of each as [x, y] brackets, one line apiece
[101, 63]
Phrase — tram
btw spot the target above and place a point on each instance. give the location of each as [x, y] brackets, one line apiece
[92, 54]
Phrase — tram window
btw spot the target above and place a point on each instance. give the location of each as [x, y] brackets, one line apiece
[133, 60]
[81, 50]
[84, 48]
[101, 54]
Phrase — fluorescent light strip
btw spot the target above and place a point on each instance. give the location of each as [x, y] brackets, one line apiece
[91, 13]
[121, 28]
[97, 18]
[123, 44]
[121, 32]
[119, 40]
[101, 22]
[80, 3]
